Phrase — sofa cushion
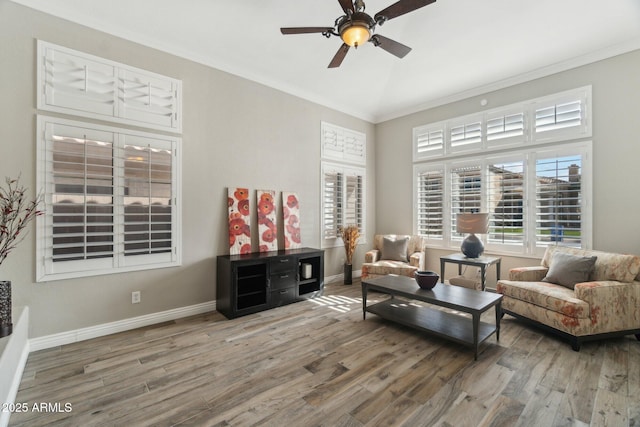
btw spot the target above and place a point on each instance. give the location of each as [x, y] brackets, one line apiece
[567, 269]
[546, 295]
[394, 248]
[384, 267]
[608, 266]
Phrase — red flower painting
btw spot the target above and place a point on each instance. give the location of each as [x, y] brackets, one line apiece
[239, 213]
[267, 226]
[291, 210]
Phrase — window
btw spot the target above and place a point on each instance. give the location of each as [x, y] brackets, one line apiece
[342, 200]
[73, 82]
[527, 165]
[343, 145]
[430, 203]
[559, 200]
[110, 200]
[535, 198]
[344, 154]
[554, 118]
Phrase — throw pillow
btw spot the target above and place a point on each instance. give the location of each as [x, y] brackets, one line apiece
[567, 270]
[394, 249]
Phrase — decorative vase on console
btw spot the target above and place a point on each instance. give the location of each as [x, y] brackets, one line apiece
[15, 214]
[350, 235]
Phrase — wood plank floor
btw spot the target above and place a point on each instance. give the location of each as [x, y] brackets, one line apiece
[317, 363]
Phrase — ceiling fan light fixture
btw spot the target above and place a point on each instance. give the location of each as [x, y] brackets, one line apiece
[355, 34]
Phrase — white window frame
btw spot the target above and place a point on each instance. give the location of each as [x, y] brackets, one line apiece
[46, 269]
[345, 170]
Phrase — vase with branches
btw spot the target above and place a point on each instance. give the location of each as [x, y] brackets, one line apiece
[16, 212]
[350, 235]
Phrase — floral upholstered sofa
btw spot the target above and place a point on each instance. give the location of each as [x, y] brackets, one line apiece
[603, 302]
[393, 254]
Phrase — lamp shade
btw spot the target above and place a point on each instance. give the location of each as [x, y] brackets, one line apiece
[472, 223]
[356, 35]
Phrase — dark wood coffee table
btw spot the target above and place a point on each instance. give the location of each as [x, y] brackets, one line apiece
[471, 332]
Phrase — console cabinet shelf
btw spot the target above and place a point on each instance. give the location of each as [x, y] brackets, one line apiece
[259, 281]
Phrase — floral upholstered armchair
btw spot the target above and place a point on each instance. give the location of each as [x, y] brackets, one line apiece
[394, 254]
[579, 294]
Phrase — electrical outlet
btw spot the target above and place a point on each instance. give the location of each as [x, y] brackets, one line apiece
[135, 297]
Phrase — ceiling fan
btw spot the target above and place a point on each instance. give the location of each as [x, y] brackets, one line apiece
[356, 27]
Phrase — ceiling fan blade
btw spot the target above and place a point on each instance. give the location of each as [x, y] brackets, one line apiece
[391, 46]
[304, 30]
[346, 5]
[400, 8]
[339, 56]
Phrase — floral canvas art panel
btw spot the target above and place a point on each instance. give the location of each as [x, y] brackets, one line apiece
[291, 217]
[239, 220]
[267, 225]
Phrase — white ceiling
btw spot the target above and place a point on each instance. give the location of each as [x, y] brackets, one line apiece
[461, 48]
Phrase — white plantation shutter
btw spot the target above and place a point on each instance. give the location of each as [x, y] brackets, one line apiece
[148, 99]
[80, 214]
[505, 197]
[428, 141]
[342, 200]
[430, 204]
[343, 144]
[353, 213]
[466, 134]
[466, 192]
[73, 82]
[332, 214]
[78, 83]
[558, 116]
[559, 200]
[148, 197]
[502, 127]
[110, 194]
[562, 116]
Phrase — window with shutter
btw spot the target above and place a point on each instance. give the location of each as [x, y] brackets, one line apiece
[505, 202]
[110, 194]
[332, 203]
[428, 141]
[343, 144]
[429, 208]
[77, 83]
[342, 200]
[505, 128]
[466, 192]
[559, 200]
[73, 82]
[148, 99]
[562, 116]
[466, 134]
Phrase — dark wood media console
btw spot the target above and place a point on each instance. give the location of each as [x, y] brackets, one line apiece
[259, 281]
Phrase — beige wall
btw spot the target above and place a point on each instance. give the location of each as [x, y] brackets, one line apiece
[616, 152]
[236, 133]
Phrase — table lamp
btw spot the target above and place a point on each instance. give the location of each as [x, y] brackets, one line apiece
[472, 246]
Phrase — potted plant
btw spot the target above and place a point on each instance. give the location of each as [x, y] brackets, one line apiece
[350, 235]
[15, 214]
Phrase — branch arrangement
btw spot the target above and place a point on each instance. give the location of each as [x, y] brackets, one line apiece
[350, 236]
[15, 214]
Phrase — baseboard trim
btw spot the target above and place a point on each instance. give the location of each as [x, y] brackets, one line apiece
[13, 358]
[50, 341]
